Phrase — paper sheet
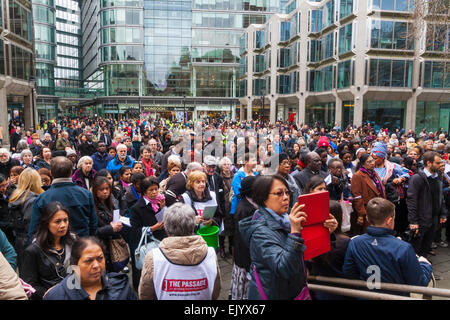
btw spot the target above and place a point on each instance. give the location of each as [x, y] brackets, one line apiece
[160, 215]
[208, 212]
[125, 221]
[116, 215]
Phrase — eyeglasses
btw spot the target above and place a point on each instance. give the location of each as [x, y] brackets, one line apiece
[281, 193]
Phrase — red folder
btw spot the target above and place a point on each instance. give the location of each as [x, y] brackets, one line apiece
[315, 235]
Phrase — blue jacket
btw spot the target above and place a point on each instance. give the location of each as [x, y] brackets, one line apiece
[101, 160]
[79, 202]
[114, 165]
[115, 287]
[277, 261]
[396, 259]
[7, 250]
[236, 186]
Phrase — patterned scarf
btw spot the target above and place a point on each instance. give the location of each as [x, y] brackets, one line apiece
[373, 175]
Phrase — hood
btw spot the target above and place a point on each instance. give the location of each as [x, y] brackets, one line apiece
[189, 250]
[247, 226]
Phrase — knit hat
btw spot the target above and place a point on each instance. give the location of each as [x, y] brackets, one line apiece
[246, 186]
[323, 142]
[380, 149]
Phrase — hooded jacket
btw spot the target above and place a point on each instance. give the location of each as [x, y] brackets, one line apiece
[189, 250]
[115, 287]
[395, 258]
[277, 256]
[114, 165]
[101, 160]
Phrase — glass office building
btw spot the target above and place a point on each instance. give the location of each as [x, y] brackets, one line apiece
[163, 57]
[16, 63]
[356, 62]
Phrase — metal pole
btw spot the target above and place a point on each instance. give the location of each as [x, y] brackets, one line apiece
[184, 108]
[385, 286]
[358, 293]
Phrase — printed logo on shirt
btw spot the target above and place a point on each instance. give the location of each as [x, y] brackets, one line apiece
[375, 243]
[178, 285]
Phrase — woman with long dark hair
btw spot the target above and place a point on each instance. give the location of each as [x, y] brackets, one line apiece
[46, 260]
[107, 229]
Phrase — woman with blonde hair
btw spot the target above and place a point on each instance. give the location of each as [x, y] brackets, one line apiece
[198, 196]
[29, 187]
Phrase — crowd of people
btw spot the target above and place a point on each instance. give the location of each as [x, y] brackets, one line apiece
[78, 197]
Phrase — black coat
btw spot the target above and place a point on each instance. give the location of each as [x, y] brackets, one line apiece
[87, 149]
[175, 187]
[215, 183]
[241, 251]
[14, 139]
[420, 210]
[108, 139]
[143, 216]
[6, 167]
[41, 270]
[105, 232]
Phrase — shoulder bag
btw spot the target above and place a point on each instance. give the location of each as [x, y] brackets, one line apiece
[146, 244]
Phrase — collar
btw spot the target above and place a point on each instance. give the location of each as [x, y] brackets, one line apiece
[147, 200]
[428, 173]
[61, 180]
[379, 231]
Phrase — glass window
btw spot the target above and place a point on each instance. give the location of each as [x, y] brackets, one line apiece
[398, 73]
[321, 113]
[386, 114]
[386, 34]
[346, 8]
[345, 38]
[400, 35]
[388, 5]
[432, 116]
[343, 80]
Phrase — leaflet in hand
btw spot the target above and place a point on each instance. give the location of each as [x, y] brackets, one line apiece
[160, 215]
[208, 212]
[116, 215]
[125, 221]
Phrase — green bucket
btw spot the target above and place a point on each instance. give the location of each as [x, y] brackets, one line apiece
[211, 235]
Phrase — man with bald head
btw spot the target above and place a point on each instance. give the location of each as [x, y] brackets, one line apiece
[313, 165]
[79, 201]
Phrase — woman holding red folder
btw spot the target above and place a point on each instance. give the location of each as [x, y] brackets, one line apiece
[273, 235]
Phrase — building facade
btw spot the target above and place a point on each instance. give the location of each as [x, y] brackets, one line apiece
[165, 58]
[17, 78]
[348, 62]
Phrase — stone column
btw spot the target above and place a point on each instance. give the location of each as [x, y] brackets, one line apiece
[249, 110]
[358, 112]
[301, 114]
[29, 119]
[338, 114]
[4, 117]
[273, 110]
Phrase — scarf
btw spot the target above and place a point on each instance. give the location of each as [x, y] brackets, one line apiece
[148, 167]
[155, 203]
[373, 175]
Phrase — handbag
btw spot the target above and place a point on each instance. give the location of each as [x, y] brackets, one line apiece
[303, 295]
[146, 244]
[120, 254]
